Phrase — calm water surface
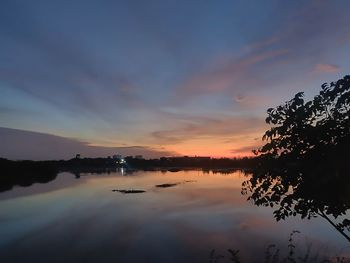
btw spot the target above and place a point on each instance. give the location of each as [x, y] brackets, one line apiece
[82, 220]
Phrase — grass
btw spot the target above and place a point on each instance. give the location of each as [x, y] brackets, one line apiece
[273, 254]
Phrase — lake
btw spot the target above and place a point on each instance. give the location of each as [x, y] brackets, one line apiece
[190, 213]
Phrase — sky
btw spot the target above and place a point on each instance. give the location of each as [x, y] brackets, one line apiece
[159, 78]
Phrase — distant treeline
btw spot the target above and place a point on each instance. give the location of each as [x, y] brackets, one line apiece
[25, 173]
[191, 162]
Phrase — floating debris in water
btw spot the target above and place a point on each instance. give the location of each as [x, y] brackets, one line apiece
[129, 191]
[166, 185]
[174, 184]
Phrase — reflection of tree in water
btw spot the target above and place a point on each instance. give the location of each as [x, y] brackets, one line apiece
[25, 173]
[303, 168]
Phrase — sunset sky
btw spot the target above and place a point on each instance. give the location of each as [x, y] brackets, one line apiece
[159, 78]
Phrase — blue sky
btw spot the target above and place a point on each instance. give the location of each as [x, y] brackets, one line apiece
[186, 77]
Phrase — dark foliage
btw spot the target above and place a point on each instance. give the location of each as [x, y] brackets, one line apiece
[303, 169]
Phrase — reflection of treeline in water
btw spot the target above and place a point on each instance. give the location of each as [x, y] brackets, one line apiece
[25, 173]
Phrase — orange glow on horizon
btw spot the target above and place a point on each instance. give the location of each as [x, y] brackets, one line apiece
[215, 148]
[235, 146]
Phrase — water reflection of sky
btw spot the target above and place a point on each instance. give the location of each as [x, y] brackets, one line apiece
[82, 220]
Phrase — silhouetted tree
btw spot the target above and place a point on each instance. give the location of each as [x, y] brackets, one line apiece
[303, 168]
[300, 127]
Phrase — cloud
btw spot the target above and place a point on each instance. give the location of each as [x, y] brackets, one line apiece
[107, 71]
[251, 101]
[20, 144]
[261, 44]
[57, 66]
[234, 76]
[305, 36]
[245, 150]
[326, 68]
[204, 128]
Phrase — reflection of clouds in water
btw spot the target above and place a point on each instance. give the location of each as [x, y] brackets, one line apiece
[253, 223]
[183, 223]
[63, 180]
[205, 240]
[244, 226]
